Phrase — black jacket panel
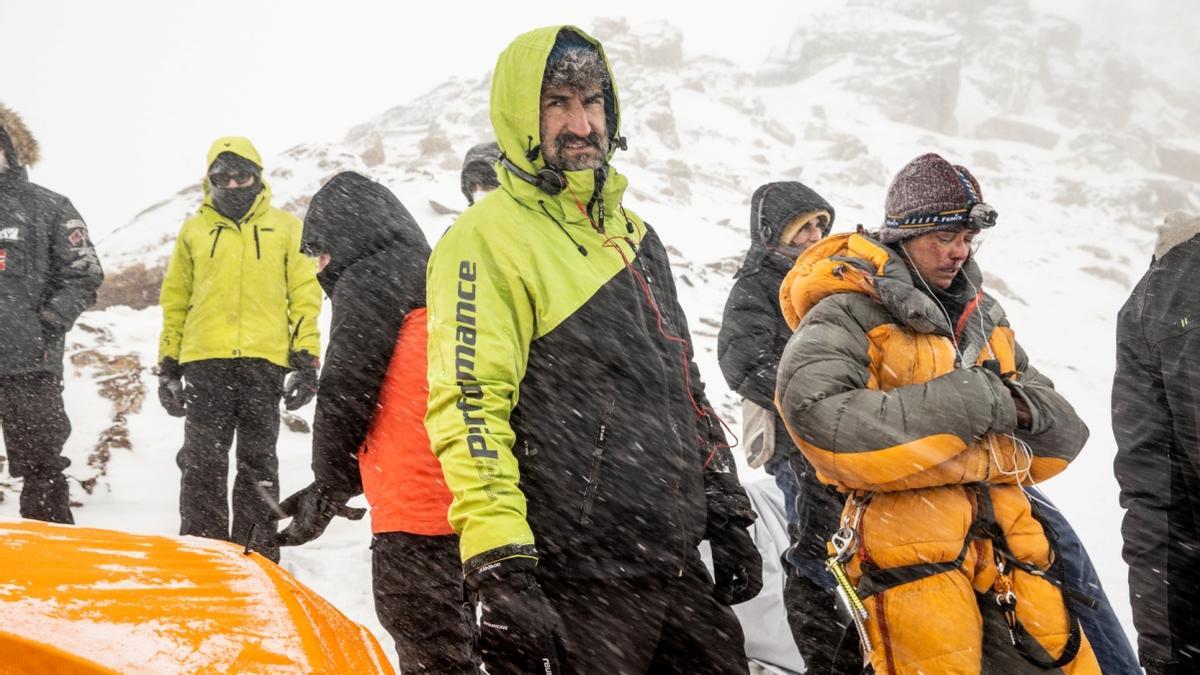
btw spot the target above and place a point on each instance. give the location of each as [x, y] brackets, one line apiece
[621, 491]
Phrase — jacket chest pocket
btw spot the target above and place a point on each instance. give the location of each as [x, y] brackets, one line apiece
[268, 245]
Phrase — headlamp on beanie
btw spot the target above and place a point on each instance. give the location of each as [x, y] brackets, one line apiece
[979, 216]
[932, 195]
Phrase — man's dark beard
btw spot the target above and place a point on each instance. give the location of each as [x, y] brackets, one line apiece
[580, 163]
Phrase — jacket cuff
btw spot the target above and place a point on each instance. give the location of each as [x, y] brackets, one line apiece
[1038, 422]
[1155, 666]
[727, 505]
[499, 562]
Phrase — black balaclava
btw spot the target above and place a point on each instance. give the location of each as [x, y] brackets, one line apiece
[233, 203]
[479, 169]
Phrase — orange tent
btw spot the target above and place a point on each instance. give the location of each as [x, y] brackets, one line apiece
[75, 599]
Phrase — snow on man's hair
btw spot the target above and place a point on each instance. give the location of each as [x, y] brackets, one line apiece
[579, 68]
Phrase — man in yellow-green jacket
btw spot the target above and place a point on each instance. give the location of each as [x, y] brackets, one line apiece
[240, 305]
[565, 407]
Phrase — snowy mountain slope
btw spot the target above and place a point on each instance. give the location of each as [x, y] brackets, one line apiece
[1077, 147]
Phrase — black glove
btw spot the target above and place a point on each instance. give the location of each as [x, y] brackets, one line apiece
[737, 565]
[311, 510]
[301, 385]
[52, 323]
[170, 387]
[519, 631]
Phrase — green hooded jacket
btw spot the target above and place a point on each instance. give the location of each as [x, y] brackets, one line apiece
[239, 289]
[563, 418]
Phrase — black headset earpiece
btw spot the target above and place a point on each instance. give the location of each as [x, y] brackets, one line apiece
[547, 180]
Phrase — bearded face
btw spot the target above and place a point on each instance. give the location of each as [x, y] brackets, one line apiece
[573, 127]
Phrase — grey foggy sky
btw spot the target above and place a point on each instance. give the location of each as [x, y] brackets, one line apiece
[125, 96]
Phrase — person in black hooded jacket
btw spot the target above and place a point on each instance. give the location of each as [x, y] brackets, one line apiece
[49, 273]
[785, 218]
[368, 430]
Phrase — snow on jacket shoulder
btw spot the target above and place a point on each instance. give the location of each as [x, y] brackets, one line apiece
[239, 290]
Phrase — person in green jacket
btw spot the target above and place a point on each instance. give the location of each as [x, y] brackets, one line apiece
[240, 305]
[584, 460]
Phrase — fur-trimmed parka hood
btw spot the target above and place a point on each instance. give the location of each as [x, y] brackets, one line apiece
[19, 147]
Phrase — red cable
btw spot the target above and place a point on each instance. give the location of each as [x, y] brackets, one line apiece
[611, 242]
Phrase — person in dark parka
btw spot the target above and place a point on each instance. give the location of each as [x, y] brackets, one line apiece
[785, 218]
[49, 274]
[368, 429]
[1157, 427]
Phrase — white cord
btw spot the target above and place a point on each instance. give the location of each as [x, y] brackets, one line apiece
[931, 294]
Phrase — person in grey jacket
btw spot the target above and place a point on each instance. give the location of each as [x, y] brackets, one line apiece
[49, 274]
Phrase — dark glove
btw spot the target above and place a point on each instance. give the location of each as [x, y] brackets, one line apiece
[737, 565]
[301, 385]
[519, 631]
[170, 387]
[311, 510]
[52, 323]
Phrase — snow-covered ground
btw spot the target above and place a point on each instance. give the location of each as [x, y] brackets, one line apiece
[1075, 170]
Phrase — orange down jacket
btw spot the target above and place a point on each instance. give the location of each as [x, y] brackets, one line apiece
[888, 402]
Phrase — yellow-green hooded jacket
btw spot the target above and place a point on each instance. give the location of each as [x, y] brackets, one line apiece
[239, 290]
[560, 413]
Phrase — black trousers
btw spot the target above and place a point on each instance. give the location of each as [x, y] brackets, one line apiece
[421, 602]
[36, 427]
[227, 397]
[652, 625]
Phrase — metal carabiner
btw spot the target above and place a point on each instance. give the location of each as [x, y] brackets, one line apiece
[845, 542]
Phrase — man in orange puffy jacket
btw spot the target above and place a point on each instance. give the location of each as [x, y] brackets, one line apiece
[369, 432]
[905, 387]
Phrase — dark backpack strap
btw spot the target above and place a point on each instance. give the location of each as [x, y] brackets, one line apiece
[875, 580]
[1021, 638]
